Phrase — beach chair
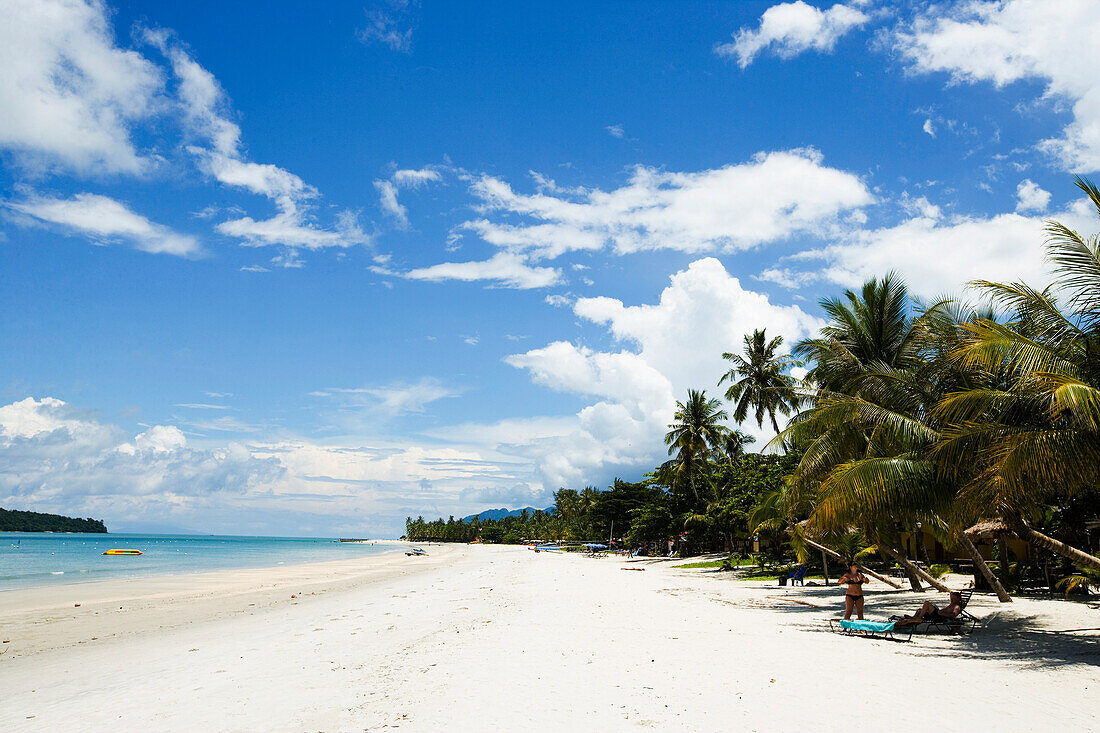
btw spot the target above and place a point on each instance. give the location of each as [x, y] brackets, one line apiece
[870, 629]
[798, 575]
[964, 623]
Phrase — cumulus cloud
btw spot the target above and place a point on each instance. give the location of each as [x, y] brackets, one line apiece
[929, 128]
[935, 254]
[69, 96]
[790, 29]
[635, 389]
[1011, 40]
[767, 199]
[57, 459]
[504, 269]
[217, 148]
[1031, 197]
[736, 207]
[105, 220]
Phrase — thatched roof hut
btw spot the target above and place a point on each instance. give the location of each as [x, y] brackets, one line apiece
[987, 529]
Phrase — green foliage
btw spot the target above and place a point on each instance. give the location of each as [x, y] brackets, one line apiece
[938, 571]
[19, 521]
[937, 415]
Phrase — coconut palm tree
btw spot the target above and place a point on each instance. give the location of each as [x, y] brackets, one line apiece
[1029, 430]
[759, 380]
[867, 440]
[695, 432]
[866, 329]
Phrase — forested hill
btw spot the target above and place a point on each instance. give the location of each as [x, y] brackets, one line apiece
[16, 521]
[502, 513]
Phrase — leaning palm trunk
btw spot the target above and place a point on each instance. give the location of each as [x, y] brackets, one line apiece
[1026, 533]
[913, 570]
[834, 553]
[983, 568]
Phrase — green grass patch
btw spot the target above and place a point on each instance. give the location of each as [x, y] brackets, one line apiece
[713, 564]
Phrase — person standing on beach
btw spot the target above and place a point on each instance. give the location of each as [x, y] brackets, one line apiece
[853, 597]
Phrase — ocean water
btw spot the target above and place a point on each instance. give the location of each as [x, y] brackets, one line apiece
[29, 559]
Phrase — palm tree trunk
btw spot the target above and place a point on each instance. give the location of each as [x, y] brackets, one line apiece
[983, 568]
[835, 554]
[1026, 533]
[913, 570]
[825, 566]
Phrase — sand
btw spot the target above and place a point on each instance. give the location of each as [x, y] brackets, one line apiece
[501, 638]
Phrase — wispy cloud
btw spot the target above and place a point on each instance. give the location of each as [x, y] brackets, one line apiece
[391, 23]
[105, 220]
[217, 148]
[398, 398]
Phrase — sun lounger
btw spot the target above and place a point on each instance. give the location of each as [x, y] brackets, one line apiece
[870, 629]
[964, 623]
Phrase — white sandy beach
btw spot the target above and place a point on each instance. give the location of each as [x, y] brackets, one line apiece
[499, 638]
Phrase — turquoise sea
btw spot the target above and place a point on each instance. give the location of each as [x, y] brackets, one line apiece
[29, 559]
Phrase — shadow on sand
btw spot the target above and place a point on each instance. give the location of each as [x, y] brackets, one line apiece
[1000, 635]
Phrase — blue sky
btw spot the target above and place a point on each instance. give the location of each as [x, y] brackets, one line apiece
[267, 269]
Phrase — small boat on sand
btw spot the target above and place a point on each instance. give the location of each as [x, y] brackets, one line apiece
[122, 552]
[415, 552]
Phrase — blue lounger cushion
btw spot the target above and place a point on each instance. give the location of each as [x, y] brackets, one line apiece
[880, 627]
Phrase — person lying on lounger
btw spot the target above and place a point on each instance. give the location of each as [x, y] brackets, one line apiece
[929, 612]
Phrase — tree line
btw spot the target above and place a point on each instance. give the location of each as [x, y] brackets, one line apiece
[937, 415]
[12, 520]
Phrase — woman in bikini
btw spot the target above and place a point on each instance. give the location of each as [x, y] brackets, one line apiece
[853, 597]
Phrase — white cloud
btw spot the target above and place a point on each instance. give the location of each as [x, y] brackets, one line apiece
[402, 178]
[105, 220]
[57, 459]
[929, 128]
[1030, 197]
[414, 178]
[636, 388]
[507, 270]
[790, 29]
[400, 398]
[387, 199]
[732, 208]
[294, 227]
[936, 256]
[1011, 40]
[68, 95]
[615, 131]
[390, 24]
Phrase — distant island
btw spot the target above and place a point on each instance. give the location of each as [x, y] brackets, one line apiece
[16, 521]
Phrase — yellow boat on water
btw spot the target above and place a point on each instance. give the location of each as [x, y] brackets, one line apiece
[122, 552]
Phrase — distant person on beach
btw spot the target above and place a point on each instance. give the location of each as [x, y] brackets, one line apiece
[853, 597]
[928, 611]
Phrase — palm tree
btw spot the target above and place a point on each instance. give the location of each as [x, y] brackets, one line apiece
[697, 430]
[865, 329]
[759, 380]
[868, 437]
[733, 446]
[1029, 429]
